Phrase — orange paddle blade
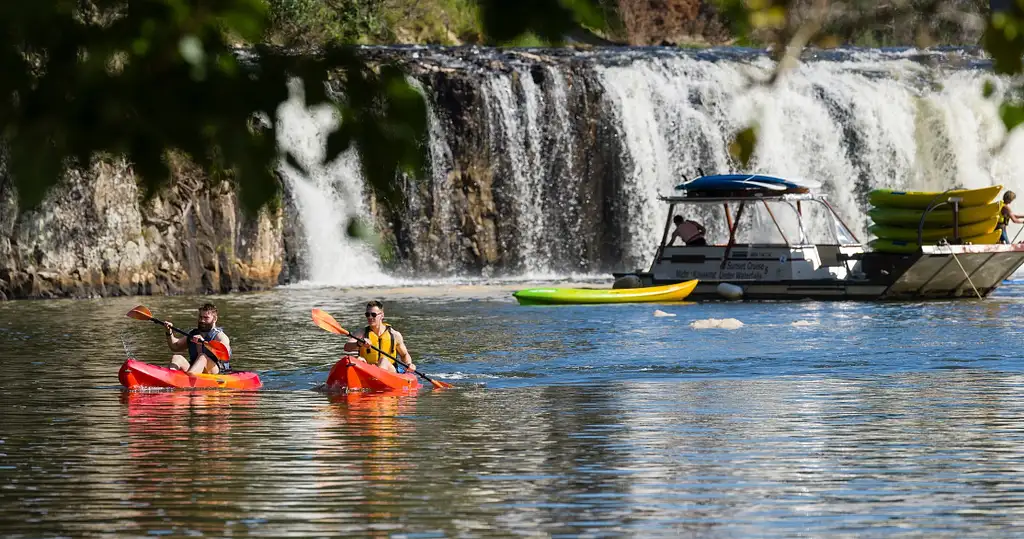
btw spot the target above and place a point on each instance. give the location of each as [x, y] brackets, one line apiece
[140, 313]
[219, 350]
[440, 385]
[327, 322]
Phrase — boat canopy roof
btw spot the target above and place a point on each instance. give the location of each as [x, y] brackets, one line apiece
[787, 197]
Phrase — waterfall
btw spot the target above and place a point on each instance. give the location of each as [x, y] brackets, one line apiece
[326, 198]
[550, 163]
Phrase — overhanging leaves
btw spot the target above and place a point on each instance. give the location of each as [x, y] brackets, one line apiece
[551, 20]
[144, 78]
[742, 146]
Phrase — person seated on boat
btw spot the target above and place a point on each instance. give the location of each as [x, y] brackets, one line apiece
[199, 359]
[690, 232]
[381, 335]
[1006, 215]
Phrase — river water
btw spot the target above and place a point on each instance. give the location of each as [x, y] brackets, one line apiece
[809, 419]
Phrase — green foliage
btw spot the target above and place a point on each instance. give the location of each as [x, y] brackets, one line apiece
[314, 22]
[743, 144]
[443, 22]
[1004, 40]
[145, 78]
[549, 20]
[1012, 114]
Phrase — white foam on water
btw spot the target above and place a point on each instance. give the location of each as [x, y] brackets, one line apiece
[717, 323]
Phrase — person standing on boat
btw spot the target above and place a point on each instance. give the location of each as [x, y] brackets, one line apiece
[1006, 215]
[690, 232]
[199, 359]
[383, 336]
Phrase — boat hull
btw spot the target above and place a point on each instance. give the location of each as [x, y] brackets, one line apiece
[564, 296]
[934, 272]
[350, 374]
[135, 374]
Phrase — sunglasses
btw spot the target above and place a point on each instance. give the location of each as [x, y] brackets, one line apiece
[372, 315]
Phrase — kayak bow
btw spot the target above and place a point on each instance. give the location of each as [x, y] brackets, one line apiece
[355, 375]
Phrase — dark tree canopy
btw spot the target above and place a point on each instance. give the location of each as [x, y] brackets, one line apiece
[148, 78]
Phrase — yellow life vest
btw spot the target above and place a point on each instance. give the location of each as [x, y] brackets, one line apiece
[1003, 219]
[385, 341]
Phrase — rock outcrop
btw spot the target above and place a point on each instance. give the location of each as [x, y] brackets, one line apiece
[95, 236]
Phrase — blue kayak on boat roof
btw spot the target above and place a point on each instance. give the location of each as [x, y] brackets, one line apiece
[719, 184]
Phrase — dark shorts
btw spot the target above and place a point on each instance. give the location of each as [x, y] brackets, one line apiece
[698, 241]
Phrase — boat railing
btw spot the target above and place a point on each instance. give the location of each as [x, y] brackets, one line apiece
[793, 200]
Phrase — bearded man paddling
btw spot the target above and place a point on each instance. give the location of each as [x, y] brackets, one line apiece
[199, 359]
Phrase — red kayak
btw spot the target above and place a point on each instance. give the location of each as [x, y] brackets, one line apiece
[357, 375]
[135, 374]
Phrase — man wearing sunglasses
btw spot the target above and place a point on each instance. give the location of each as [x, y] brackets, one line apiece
[382, 336]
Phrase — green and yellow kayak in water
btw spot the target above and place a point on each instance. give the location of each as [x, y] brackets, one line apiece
[552, 296]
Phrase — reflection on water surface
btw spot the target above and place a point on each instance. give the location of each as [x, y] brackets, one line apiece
[812, 418]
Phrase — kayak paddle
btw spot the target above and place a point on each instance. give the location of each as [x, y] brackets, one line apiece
[327, 322]
[216, 348]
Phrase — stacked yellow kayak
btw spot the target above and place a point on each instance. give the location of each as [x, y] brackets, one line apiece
[896, 215]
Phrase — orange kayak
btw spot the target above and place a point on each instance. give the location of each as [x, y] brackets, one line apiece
[355, 375]
[135, 374]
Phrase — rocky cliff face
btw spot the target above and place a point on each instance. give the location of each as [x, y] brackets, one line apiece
[94, 236]
[527, 168]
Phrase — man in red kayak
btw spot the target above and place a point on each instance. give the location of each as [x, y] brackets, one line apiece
[199, 360]
[382, 336]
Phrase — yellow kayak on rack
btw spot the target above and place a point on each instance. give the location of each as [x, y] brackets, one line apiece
[898, 246]
[940, 218]
[551, 296]
[909, 233]
[919, 200]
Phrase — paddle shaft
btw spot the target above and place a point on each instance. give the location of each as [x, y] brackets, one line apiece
[161, 322]
[389, 356]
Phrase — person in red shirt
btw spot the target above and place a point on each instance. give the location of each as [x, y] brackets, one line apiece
[690, 232]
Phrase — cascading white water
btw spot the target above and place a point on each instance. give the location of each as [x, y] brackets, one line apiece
[439, 204]
[854, 126]
[867, 120]
[327, 199]
[515, 132]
